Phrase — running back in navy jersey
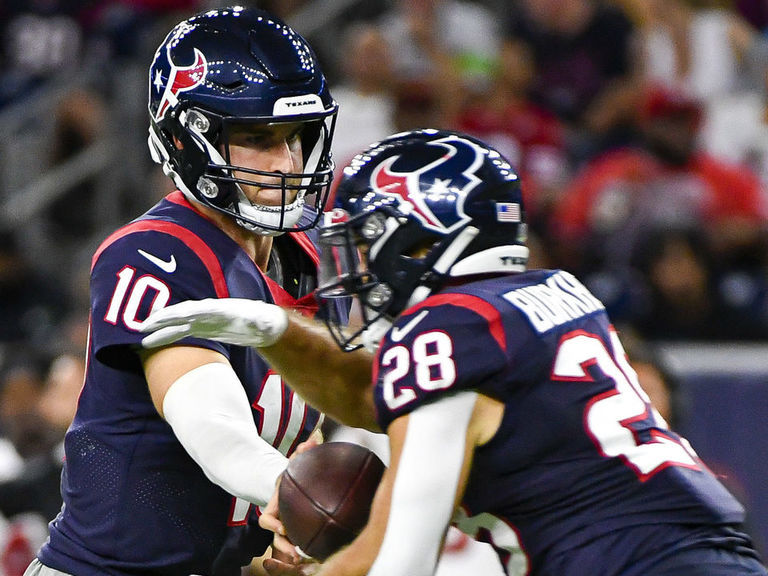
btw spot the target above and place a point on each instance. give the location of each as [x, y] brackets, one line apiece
[135, 501]
[580, 455]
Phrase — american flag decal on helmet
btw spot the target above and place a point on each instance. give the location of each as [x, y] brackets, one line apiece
[508, 212]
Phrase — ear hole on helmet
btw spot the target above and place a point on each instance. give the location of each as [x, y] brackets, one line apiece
[421, 249]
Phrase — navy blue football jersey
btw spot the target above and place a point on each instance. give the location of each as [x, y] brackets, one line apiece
[134, 501]
[582, 471]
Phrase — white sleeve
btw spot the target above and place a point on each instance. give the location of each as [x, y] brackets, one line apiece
[210, 414]
[425, 487]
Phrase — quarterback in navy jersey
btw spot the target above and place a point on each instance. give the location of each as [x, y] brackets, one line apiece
[510, 405]
[172, 451]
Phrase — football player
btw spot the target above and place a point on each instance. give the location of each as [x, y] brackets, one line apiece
[510, 407]
[171, 449]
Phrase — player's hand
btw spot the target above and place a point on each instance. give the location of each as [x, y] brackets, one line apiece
[269, 519]
[286, 559]
[274, 566]
[236, 321]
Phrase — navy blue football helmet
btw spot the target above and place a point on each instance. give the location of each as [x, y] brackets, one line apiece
[414, 211]
[234, 66]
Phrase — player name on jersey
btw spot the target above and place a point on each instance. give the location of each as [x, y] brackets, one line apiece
[560, 299]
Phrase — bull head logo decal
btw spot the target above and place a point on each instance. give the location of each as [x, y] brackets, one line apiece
[423, 191]
[180, 79]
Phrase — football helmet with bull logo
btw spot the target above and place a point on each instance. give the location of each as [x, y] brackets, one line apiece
[236, 66]
[414, 211]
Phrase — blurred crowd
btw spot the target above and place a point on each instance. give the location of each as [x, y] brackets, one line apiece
[639, 127]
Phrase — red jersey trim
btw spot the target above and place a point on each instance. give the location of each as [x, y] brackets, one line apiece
[306, 305]
[300, 238]
[477, 305]
[306, 244]
[194, 242]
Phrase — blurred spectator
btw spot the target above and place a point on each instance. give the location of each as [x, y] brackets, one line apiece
[717, 56]
[31, 304]
[443, 54]
[71, 336]
[40, 39]
[10, 461]
[283, 9]
[80, 120]
[685, 299]
[21, 384]
[20, 537]
[366, 101]
[736, 127]
[124, 29]
[35, 412]
[39, 420]
[755, 12]
[424, 35]
[58, 400]
[529, 136]
[694, 46]
[418, 105]
[618, 195]
[582, 51]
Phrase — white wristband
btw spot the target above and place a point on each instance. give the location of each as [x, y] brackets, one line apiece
[210, 414]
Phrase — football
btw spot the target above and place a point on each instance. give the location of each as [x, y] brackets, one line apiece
[325, 496]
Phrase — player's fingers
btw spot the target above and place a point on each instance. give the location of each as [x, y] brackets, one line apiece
[165, 336]
[271, 523]
[269, 519]
[277, 568]
[166, 316]
[186, 311]
[307, 445]
[285, 554]
[284, 549]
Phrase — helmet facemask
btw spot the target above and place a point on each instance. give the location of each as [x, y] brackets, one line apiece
[346, 245]
[204, 162]
[384, 262]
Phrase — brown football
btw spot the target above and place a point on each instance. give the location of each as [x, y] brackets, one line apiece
[325, 496]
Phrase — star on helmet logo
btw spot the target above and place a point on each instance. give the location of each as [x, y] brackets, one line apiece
[440, 186]
[180, 79]
[437, 202]
[158, 80]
